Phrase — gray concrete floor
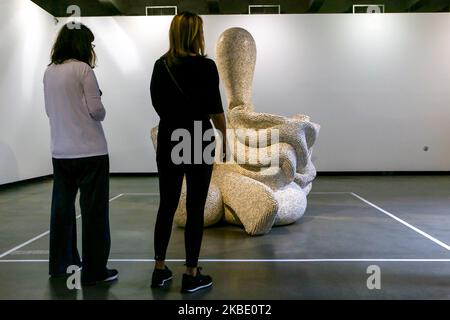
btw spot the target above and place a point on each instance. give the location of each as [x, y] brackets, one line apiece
[329, 249]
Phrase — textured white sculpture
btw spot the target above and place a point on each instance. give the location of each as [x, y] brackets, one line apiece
[256, 195]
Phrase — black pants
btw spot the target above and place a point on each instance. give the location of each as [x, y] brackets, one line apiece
[198, 177]
[90, 176]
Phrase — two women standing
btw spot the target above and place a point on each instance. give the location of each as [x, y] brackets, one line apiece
[185, 93]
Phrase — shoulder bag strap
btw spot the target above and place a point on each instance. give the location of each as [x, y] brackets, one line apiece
[174, 80]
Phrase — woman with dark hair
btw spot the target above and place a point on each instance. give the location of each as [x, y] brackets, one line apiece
[79, 156]
[185, 94]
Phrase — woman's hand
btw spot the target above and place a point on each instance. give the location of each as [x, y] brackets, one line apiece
[220, 124]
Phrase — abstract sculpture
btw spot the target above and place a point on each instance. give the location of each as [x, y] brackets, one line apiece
[255, 194]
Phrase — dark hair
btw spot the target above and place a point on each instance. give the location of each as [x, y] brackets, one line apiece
[74, 42]
[185, 37]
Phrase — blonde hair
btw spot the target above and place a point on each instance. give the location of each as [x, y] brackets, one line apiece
[185, 37]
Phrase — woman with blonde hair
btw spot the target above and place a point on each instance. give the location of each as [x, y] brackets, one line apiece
[185, 93]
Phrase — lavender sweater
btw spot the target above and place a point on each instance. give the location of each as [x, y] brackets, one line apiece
[75, 110]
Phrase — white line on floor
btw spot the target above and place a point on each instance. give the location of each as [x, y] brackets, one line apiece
[426, 235]
[157, 194]
[142, 194]
[42, 235]
[24, 244]
[288, 260]
[116, 197]
[250, 260]
[331, 192]
[30, 252]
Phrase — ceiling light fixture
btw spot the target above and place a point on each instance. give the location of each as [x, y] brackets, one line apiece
[368, 8]
[161, 10]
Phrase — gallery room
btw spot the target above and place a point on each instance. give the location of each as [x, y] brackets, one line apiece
[224, 149]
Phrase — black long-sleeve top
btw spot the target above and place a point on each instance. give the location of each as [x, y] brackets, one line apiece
[199, 80]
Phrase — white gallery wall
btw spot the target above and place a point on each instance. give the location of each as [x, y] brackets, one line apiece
[26, 32]
[377, 85]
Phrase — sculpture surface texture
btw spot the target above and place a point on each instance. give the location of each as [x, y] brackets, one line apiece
[270, 172]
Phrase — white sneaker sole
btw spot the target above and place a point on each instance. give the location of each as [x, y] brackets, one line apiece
[198, 288]
[112, 278]
[163, 282]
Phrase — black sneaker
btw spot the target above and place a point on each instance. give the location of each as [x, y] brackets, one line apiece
[111, 275]
[160, 276]
[192, 284]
